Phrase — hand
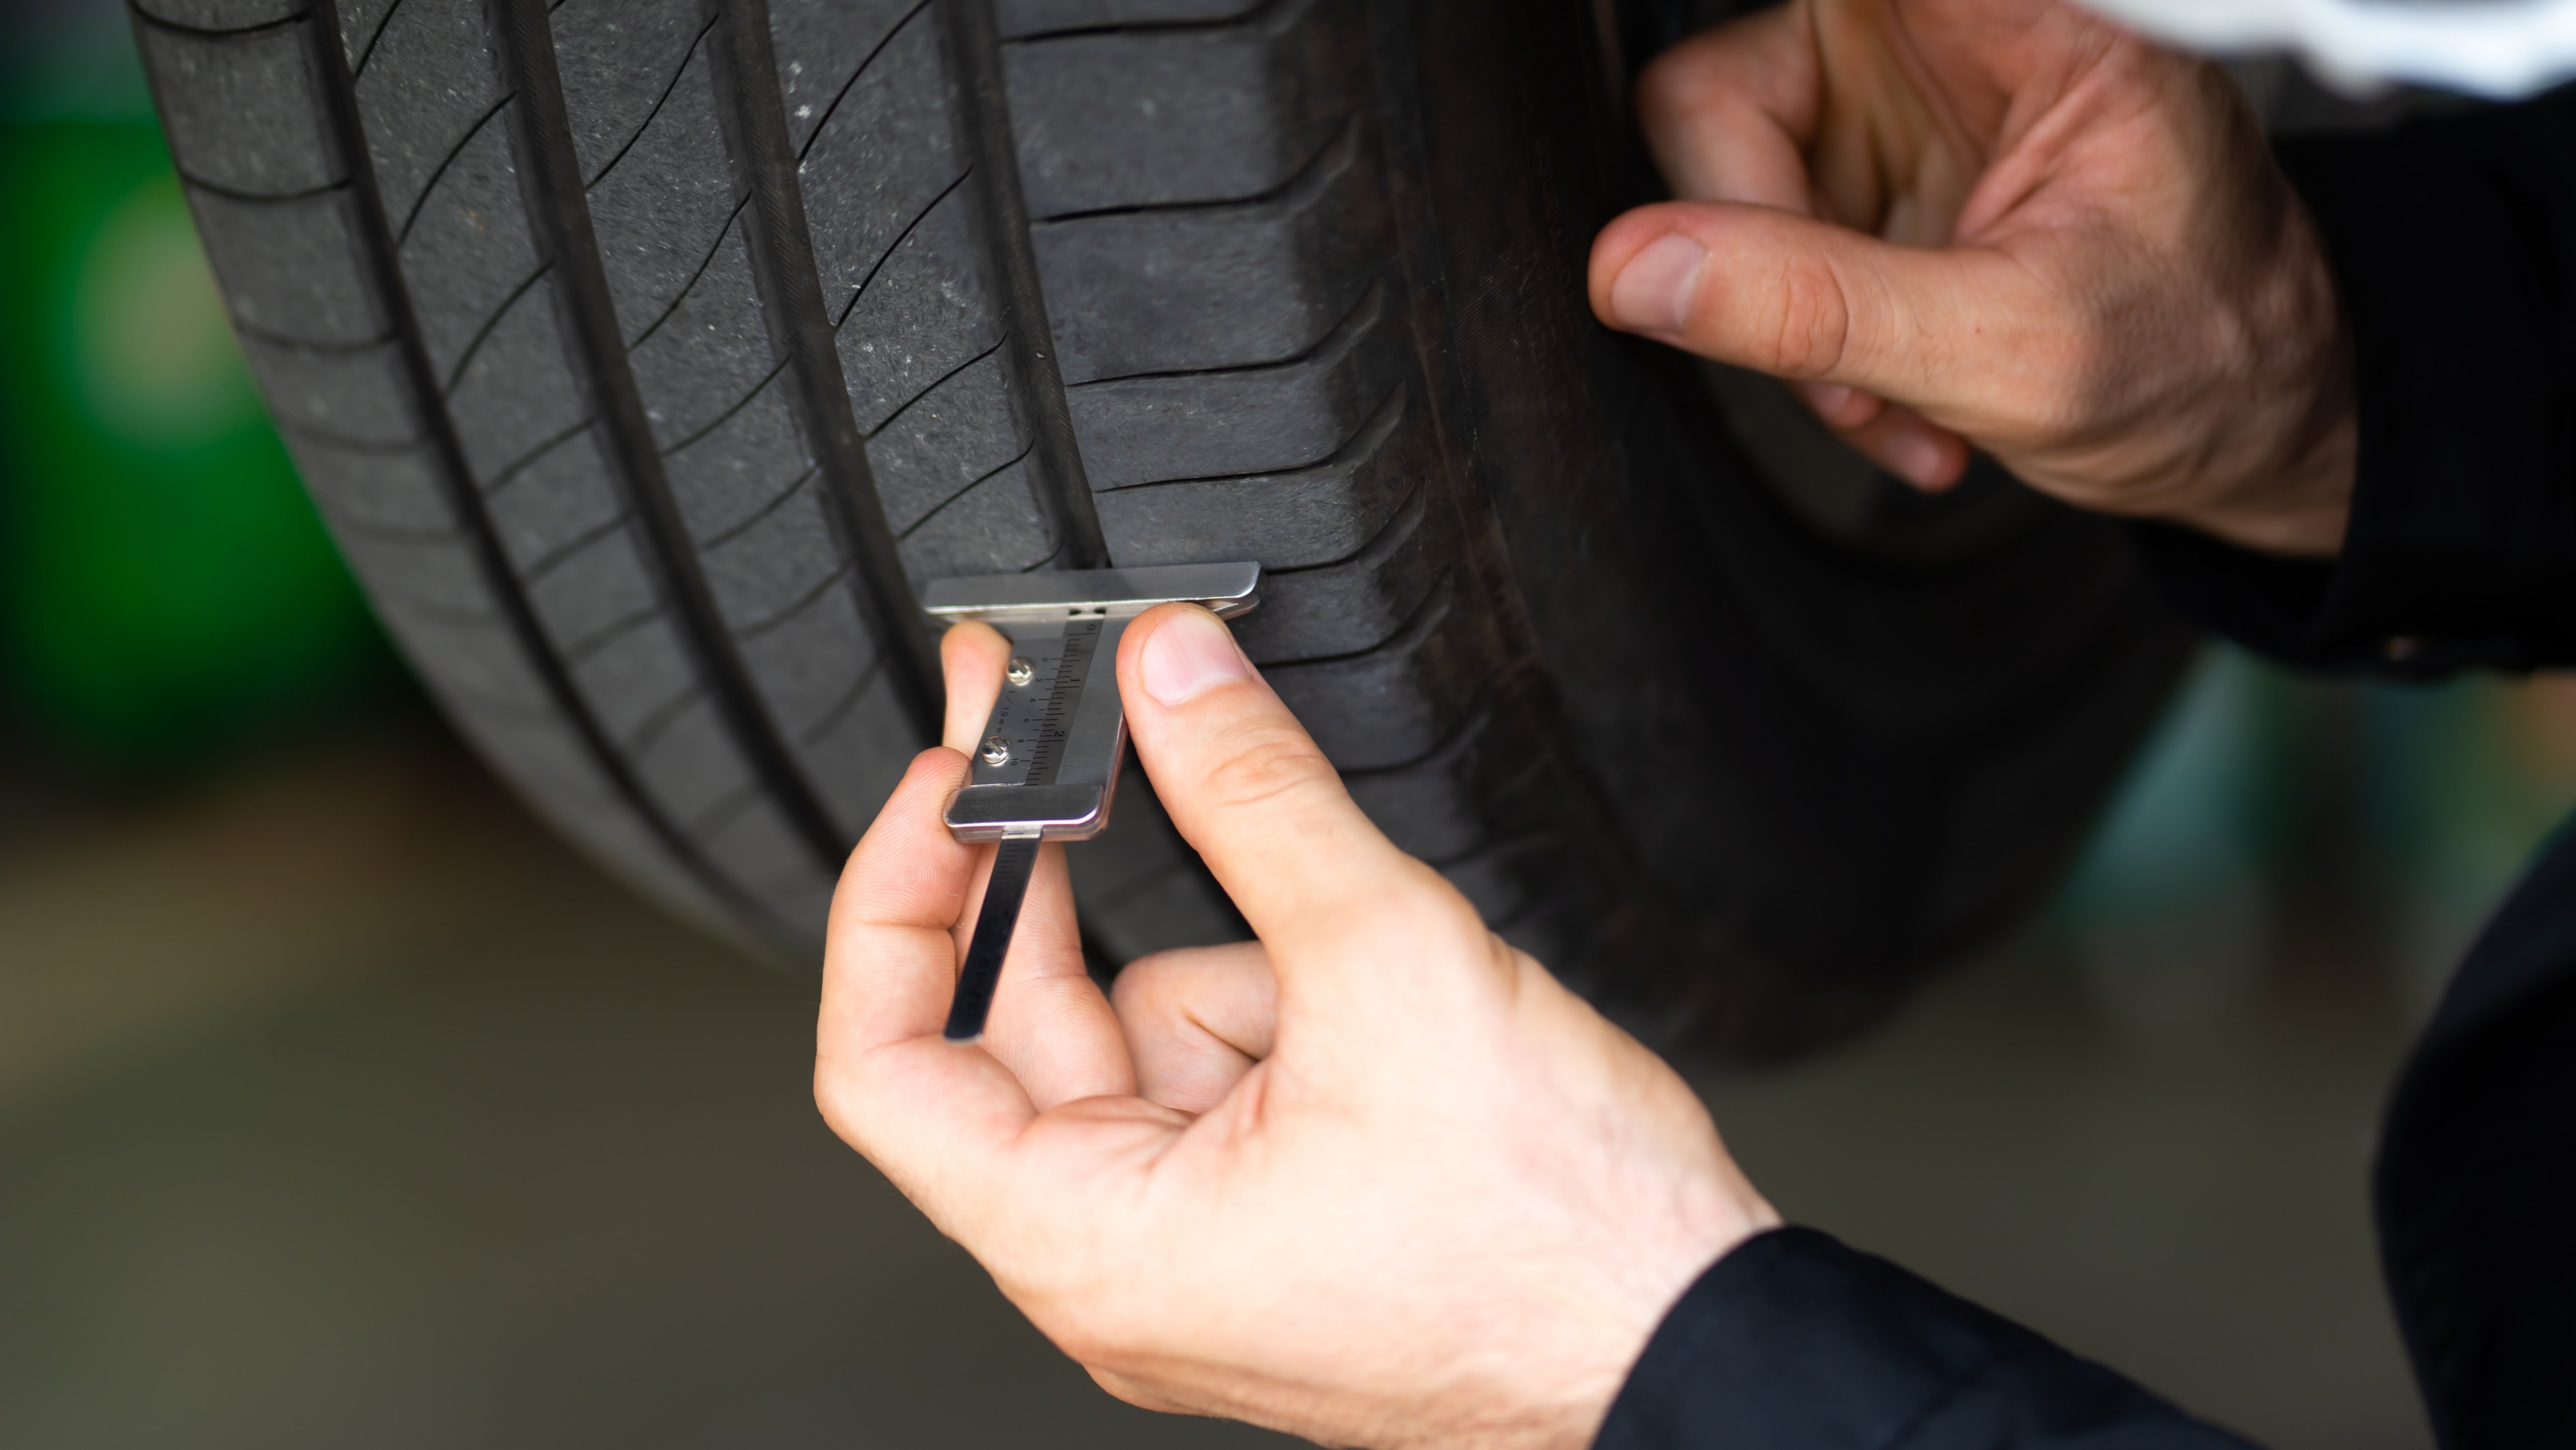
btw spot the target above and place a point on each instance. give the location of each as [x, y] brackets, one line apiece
[1375, 1179]
[2002, 222]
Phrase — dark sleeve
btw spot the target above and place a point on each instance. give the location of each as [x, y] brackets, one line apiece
[2453, 243]
[1796, 1341]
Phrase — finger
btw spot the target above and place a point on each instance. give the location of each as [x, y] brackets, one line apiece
[923, 1109]
[973, 657]
[1929, 457]
[1248, 788]
[1956, 333]
[1729, 113]
[1050, 1024]
[1196, 1021]
[1841, 408]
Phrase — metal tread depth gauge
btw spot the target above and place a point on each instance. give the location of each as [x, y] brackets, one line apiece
[1046, 768]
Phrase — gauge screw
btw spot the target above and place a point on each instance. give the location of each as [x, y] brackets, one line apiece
[997, 751]
[1022, 671]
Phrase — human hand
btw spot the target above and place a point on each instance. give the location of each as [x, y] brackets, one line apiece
[1374, 1179]
[2007, 223]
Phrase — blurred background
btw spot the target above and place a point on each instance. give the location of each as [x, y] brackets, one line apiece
[340, 1105]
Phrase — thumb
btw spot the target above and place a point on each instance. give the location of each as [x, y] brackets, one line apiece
[1938, 329]
[1250, 790]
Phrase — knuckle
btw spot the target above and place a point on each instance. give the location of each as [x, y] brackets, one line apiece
[1808, 327]
[1270, 762]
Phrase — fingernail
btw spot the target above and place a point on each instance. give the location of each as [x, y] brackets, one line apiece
[1653, 292]
[1916, 458]
[1189, 653]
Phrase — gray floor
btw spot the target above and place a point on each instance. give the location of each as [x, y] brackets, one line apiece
[340, 1107]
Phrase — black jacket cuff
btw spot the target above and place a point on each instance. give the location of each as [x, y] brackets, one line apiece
[1793, 1340]
[2453, 244]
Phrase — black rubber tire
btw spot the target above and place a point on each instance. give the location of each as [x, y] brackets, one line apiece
[646, 355]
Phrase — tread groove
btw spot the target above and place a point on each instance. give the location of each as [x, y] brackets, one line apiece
[792, 608]
[368, 53]
[560, 217]
[942, 506]
[429, 183]
[695, 43]
[736, 406]
[682, 296]
[859, 293]
[790, 285]
[935, 385]
[220, 32]
[509, 473]
[973, 54]
[829, 111]
[474, 344]
[839, 709]
[713, 542]
[235, 193]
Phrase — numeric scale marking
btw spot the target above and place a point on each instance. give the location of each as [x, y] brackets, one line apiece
[1050, 773]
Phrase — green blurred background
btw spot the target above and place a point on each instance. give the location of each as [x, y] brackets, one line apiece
[339, 1104]
[169, 593]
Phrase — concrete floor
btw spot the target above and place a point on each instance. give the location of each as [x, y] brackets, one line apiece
[339, 1106]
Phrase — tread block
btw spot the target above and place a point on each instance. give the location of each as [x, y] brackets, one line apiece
[1312, 516]
[1030, 17]
[1395, 703]
[635, 676]
[587, 595]
[359, 395]
[243, 112]
[820, 45]
[1249, 420]
[1207, 113]
[437, 574]
[376, 490]
[517, 392]
[617, 58]
[1446, 805]
[1216, 286]
[857, 757]
[777, 562]
[477, 660]
[739, 467]
[923, 316]
[222, 14]
[361, 21]
[691, 766]
[959, 432]
[554, 769]
[430, 81]
[885, 154]
[291, 268]
[468, 248]
[756, 846]
[1356, 605]
[993, 528]
[663, 207]
[561, 496]
[808, 661]
[710, 354]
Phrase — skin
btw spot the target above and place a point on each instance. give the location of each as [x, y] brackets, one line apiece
[1377, 1179]
[2006, 223]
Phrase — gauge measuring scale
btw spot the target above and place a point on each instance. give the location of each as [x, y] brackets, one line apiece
[1046, 765]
